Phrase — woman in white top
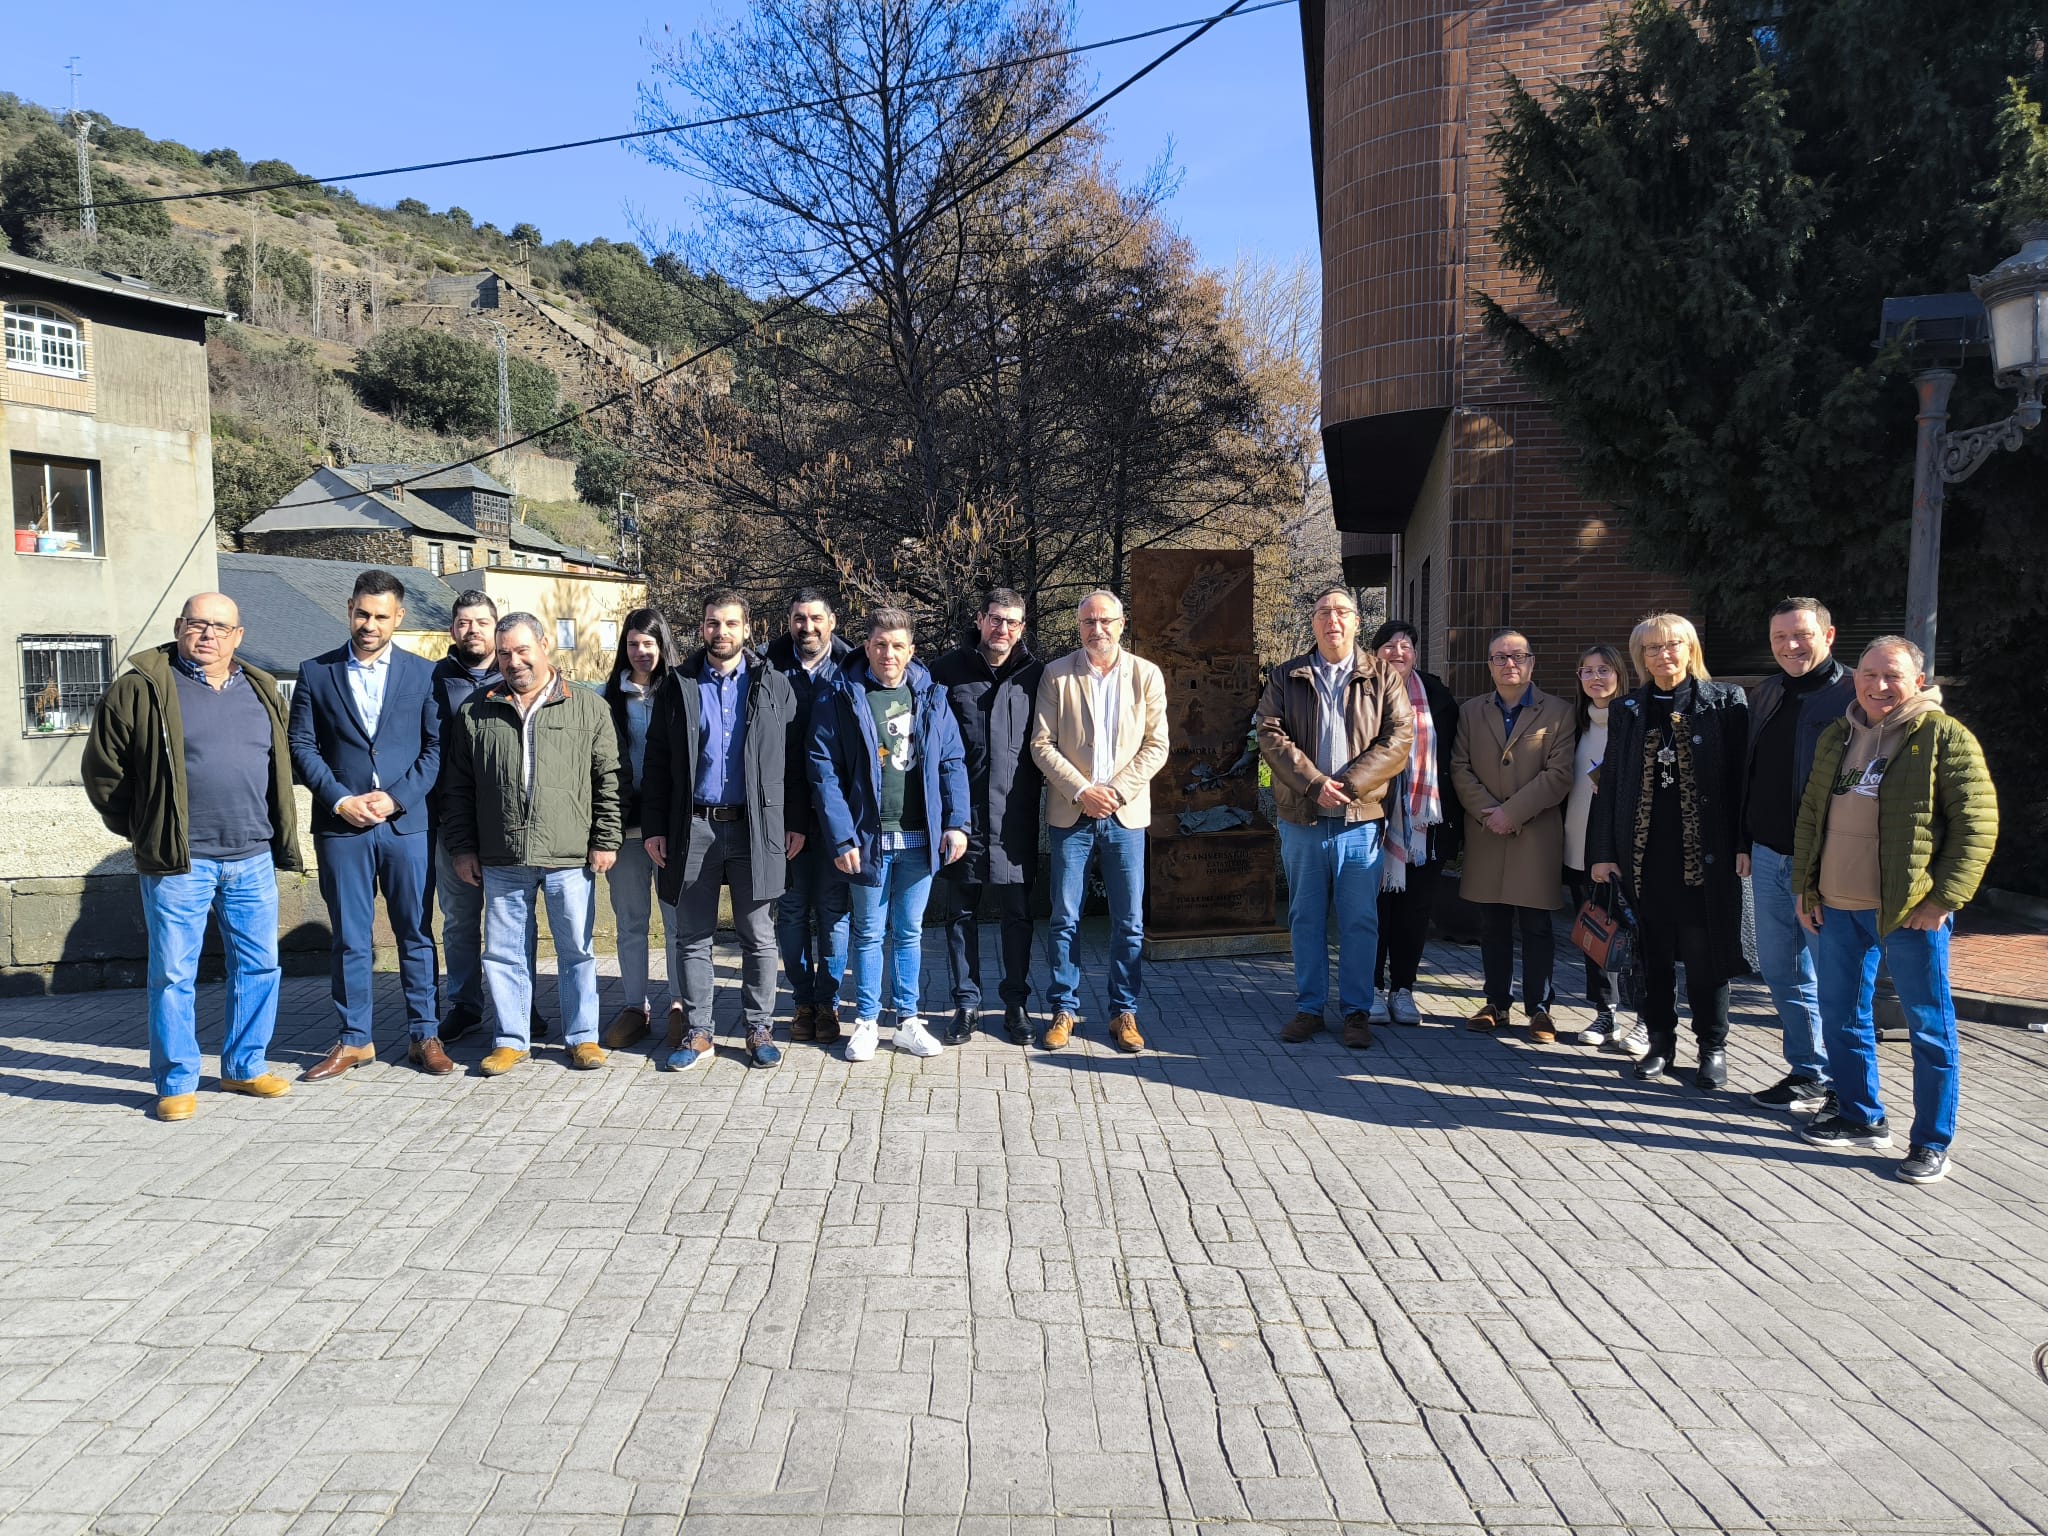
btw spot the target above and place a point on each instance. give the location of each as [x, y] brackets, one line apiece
[1600, 684]
[647, 650]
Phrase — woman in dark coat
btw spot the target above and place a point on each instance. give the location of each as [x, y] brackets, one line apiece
[1425, 826]
[1665, 824]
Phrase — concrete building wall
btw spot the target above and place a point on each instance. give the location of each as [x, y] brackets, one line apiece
[145, 424]
[595, 605]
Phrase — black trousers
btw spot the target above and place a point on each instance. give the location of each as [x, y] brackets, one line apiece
[1599, 986]
[1665, 946]
[960, 903]
[1404, 928]
[1497, 955]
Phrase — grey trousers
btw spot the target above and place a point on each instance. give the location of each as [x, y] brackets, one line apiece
[631, 882]
[718, 857]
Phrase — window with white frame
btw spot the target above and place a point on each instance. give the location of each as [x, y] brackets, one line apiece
[565, 634]
[462, 557]
[42, 340]
[63, 678]
[56, 506]
[437, 558]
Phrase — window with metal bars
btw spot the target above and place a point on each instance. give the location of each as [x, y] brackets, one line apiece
[63, 679]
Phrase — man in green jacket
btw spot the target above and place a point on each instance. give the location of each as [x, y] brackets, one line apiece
[187, 760]
[530, 805]
[1895, 828]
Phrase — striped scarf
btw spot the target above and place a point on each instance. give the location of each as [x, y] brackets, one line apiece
[1416, 803]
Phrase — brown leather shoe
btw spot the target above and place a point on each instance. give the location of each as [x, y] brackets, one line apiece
[1358, 1031]
[268, 1086]
[1485, 1021]
[587, 1057]
[1059, 1031]
[177, 1106]
[342, 1058]
[1123, 1030]
[501, 1061]
[803, 1024]
[629, 1028]
[825, 1021]
[1541, 1030]
[430, 1056]
[1303, 1026]
[678, 1025]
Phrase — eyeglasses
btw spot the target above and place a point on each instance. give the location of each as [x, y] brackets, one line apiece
[1665, 648]
[207, 628]
[1002, 623]
[1596, 672]
[1511, 658]
[1102, 623]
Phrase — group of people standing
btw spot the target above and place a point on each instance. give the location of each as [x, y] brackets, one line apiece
[821, 794]
[828, 795]
[1859, 813]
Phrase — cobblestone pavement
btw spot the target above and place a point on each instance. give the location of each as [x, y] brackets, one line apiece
[1452, 1284]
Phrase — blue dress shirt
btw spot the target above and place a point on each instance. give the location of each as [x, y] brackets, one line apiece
[721, 767]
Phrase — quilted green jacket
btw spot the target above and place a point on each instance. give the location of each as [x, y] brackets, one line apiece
[1937, 819]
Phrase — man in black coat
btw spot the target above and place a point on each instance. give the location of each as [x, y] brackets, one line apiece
[722, 767]
[812, 917]
[992, 685]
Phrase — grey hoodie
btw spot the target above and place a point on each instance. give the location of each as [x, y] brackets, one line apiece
[1848, 854]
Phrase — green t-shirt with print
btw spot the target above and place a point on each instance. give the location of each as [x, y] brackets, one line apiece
[898, 774]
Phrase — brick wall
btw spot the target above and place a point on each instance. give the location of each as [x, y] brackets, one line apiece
[1410, 200]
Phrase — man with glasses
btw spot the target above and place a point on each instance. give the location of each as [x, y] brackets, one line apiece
[1098, 733]
[189, 761]
[1512, 770]
[1335, 727]
[992, 686]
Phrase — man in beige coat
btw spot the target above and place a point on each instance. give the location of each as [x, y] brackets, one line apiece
[1098, 733]
[1512, 769]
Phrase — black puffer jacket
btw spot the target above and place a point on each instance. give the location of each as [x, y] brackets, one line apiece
[993, 709]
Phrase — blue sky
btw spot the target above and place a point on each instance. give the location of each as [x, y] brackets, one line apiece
[384, 83]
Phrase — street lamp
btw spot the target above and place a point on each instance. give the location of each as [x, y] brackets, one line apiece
[2009, 317]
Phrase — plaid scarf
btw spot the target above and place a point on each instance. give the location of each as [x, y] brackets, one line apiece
[1416, 803]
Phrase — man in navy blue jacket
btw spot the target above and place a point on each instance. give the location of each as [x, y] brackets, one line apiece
[366, 740]
[889, 787]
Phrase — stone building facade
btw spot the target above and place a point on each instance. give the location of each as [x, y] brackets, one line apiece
[1452, 485]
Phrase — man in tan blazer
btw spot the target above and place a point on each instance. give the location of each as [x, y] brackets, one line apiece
[1512, 769]
[1098, 734]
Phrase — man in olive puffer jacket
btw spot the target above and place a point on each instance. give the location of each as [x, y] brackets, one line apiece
[530, 803]
[1896, 826]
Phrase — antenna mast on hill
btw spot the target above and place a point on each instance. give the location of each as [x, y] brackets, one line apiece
[88, 217]
[504, 392]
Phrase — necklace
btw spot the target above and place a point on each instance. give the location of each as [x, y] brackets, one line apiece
[1667, 754]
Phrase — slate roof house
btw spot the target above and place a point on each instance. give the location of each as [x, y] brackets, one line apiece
[443, 521]
[292, 609]
[106, 430]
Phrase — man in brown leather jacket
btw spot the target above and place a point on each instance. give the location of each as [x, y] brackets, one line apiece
[1335, 726]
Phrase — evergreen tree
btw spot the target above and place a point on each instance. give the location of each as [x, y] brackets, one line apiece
[40, 183]
[1718, 209]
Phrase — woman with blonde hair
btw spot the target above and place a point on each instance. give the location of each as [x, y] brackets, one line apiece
[1666, 824]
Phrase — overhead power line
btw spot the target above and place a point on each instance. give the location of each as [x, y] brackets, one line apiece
[795, 301]
[1204, 22]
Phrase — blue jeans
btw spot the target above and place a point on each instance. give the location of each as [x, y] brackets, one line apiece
[571, 899]
[1123, 878]
[895, 910]
[1918, 962]
[1340, 862]
[243, 895]
[1784, 953]
[462, 934]
[354, 867]
[811, 921]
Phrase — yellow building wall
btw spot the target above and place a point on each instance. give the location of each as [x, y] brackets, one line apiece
[595, 605]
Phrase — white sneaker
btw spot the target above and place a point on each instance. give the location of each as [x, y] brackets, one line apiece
[1401, 1008]
[1377, 1013]
[860, 1045]
[912, 1036]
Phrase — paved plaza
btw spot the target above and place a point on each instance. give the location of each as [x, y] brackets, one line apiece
[1452, 1284]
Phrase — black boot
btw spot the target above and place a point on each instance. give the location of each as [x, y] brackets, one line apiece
[963, 1026]
[1017, 1024]
[1713, 1071]
[1658, 1059]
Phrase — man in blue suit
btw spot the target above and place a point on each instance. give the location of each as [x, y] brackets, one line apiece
[366, 740]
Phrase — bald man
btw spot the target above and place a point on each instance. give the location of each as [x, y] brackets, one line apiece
[188, 761]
